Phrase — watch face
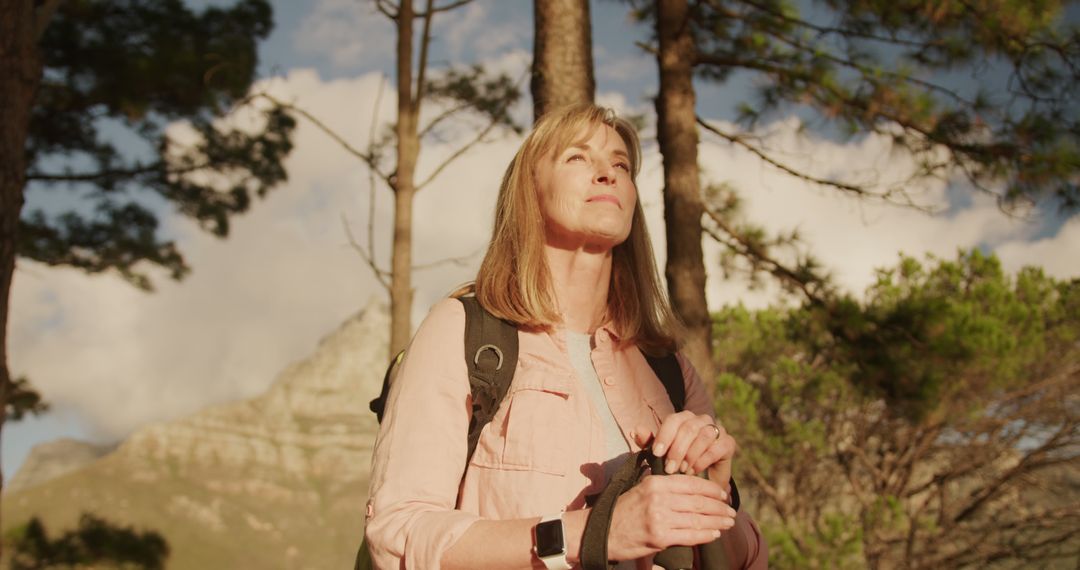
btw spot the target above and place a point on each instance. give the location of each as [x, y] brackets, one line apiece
[549, 539]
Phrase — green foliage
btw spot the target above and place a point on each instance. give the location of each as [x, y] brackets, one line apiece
[95, 542]
[891, 67]
[473, 101]
[22, 399]
[925, 336]
[749, 250]
[489, 96]
[121, 71]
[922, 426]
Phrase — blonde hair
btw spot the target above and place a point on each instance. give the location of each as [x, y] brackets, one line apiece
[514, 282]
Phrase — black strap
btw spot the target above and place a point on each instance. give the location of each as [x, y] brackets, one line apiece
[491, 351]
[378, 405]
[669, 372]
[594, 541]
[595, 538]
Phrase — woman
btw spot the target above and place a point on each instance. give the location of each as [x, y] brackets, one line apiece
[571, 264]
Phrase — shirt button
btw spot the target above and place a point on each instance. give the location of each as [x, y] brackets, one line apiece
[609, 381]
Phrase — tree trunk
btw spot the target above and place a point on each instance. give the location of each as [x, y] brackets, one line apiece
[677, 134]
[408, 147]
[20, 74]
[562, 71]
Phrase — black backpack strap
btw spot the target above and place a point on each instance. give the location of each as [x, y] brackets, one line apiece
[670, 373]
[594, 540]
[378, 405]
[491, 351]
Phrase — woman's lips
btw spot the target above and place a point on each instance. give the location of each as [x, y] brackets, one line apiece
[605, 198]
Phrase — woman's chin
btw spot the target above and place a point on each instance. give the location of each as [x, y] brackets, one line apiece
[597, 238]
[606, 240]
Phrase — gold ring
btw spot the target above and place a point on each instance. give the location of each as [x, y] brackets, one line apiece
[717, 428]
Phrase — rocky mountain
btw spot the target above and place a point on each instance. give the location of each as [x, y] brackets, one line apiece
[279, 481]
[50, 460]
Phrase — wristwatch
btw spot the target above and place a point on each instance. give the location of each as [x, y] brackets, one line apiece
[549, 542]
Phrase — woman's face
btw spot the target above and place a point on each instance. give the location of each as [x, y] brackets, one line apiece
[587, 198]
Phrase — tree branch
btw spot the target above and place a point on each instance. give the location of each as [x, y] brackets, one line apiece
[446, 8]
[955, 148]
[381, 275]
[772, 493]
[801, 47]
[387, 8]
[136, 170]
[371, 171]
[741, 141]
[457, 154]
[442, 117]
[828, 30]
[743, 247]
[1027, 463]
[893, 195]
[459, 261]
[425, 42]
[43, 15]
[367, 158]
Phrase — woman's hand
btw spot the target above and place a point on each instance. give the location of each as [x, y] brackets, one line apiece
[678, 509]
[691, 443]
[660, 512]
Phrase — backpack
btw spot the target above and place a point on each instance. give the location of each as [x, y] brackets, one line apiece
[491, 351]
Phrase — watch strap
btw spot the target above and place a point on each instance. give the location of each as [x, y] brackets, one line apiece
[555, 561]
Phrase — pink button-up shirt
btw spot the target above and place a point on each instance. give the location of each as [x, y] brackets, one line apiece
[543, 452]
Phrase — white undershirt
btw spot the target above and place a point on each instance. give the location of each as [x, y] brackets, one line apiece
[579, 347]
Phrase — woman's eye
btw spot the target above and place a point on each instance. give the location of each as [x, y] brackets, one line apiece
[623, 166]
[574, 157]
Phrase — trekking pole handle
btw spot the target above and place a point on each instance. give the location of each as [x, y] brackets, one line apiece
[672, 557]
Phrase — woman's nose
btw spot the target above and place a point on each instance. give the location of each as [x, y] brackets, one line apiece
[604, 174]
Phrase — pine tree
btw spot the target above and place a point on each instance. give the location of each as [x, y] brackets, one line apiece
[865, 66]
[464, 93]
[75, 73]
[932, 424]
[562, 71]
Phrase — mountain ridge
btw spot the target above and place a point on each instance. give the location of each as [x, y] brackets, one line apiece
[275, 481]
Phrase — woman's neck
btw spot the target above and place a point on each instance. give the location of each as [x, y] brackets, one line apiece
[580, 279]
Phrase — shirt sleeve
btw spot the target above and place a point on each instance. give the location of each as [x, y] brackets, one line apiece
[420, 453]
[744, 541]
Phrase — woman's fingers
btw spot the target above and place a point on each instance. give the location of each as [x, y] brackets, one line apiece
[662, 511]
[701, 449]
[716, 446]
[688, 443]
[697, 504]
[669, 442]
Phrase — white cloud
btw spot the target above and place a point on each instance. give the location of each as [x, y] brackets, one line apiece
[471, 31]
[263, 297]
[1057, 255]
[351, 34]
[253, 303]
[286, 275]
[853, 236]
[626, 68]
[354, 35]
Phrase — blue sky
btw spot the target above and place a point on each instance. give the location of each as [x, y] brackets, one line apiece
[287, 275]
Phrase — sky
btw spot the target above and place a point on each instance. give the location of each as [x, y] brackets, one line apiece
[111, 359]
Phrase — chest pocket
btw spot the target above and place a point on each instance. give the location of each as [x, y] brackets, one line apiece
[531, 430]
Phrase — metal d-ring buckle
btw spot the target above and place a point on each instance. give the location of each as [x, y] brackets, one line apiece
[476, 357]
